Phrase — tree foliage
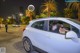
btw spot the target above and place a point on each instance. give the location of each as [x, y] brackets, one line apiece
[76, 6]
[48, 7]
[68, 12]
[24, 20]
[1, 20]
[30, 14]
[10, 20]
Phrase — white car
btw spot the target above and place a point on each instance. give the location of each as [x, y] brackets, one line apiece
[40, 34]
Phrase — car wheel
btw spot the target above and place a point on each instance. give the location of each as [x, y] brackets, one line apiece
[27, 45]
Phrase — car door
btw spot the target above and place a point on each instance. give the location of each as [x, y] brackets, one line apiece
[50, 41]
[37, 35]
[58, 43]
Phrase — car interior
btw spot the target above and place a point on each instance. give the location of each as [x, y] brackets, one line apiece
[62, 27]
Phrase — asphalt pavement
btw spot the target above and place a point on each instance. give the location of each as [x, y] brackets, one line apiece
[12, 40]
[14, 46]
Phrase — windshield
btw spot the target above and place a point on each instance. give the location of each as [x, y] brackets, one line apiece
[76, 21]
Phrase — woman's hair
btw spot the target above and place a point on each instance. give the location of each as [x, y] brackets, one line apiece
[54, 23]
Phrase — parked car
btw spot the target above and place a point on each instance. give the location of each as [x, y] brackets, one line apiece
[52, 35]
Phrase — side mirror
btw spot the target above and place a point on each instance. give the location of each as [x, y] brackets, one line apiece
[71, 35]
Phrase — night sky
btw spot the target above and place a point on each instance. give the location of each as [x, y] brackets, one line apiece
[9, 7]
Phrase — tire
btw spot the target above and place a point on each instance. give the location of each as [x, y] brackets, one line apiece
[27, 45]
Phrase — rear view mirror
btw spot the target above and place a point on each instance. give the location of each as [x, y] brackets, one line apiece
[71, 35]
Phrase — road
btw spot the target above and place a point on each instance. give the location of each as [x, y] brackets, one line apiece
[12, 40]
[14, 46]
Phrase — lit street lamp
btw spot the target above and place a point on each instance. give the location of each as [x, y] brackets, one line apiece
[9, 17]
[20, 14]
[31, 8]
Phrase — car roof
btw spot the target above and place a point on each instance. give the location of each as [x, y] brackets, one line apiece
[50, 18]
[55, 18]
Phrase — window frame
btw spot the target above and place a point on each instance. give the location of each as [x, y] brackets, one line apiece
[66, 23]
[44, 28]
[60, 21]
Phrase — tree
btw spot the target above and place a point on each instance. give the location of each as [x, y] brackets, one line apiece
[48, 7]
[1, 21]
[30, 14]
[10, 20]
[76, 6]
[24, 20]
[37, 16]
[68, 12]
[53, 14]
[42, 15]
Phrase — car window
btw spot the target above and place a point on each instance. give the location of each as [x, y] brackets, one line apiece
[76, 21]
[38, 25]
[51, 24]
[59, 27]
[76, 31]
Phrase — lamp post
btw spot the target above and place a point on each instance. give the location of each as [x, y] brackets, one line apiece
[31, 8]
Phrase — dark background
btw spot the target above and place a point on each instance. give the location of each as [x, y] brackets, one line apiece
[9, 7]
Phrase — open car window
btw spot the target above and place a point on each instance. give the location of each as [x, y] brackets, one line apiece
[59, 27]
[64, 29]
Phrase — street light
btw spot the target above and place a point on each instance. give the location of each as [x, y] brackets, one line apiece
[9, 17]
[31, 8]
[20, 14]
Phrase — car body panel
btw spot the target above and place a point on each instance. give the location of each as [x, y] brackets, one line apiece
[52, 42]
